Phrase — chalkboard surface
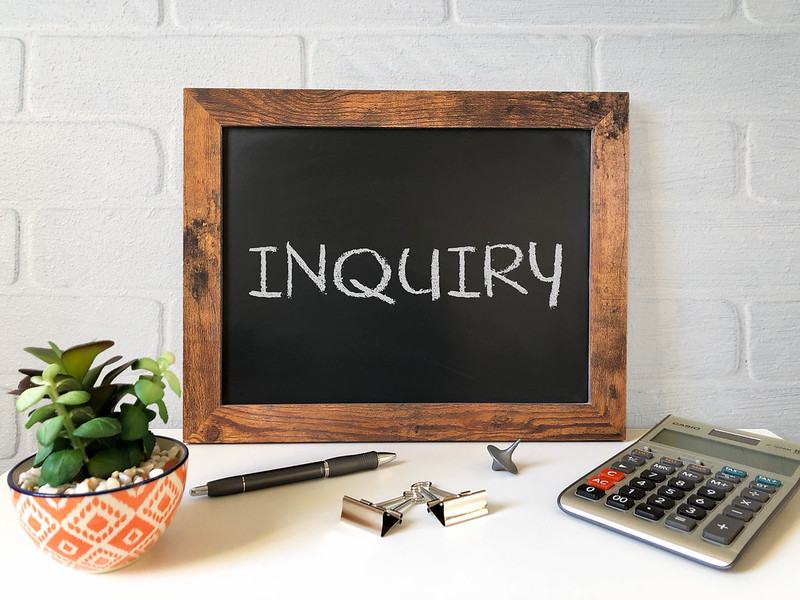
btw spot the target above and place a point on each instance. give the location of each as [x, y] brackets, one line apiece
[443, 194]
[404, 265]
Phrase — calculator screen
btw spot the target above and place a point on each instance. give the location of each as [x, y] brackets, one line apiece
[744, 456]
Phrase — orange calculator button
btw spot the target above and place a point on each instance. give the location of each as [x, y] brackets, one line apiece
[604, 483]
[612, 474]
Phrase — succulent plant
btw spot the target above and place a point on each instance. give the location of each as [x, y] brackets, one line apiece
[84, 428]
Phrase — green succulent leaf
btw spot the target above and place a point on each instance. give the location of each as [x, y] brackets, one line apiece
[55, 349]
[148, 391]
[94, 373]
[149, 441]
[101, 427]
[162, 410]
[30, 397]
[67, 384]
[169, 357]
[47, 355]
[104, 399]
[50, 373]
[105, 462]
[49, 430]
[78, 360]
[148, 364]
[134, 422]
[61, 467]
[40, 414]
[173, 382]
[114, 373]
[81, 414]
[41, 454]
[74, 398]
[135, 452]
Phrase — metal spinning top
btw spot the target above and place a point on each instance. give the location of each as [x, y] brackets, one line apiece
[502, 458]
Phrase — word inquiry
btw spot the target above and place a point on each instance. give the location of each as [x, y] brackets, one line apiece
[491, 273]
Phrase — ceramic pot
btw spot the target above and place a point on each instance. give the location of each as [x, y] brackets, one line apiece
[101, 531]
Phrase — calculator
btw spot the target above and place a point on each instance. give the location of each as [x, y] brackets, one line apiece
[700, 491]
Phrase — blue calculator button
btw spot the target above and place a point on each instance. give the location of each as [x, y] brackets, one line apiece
[768, 481]
[734, 472]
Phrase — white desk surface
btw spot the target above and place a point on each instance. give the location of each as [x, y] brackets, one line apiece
[289, 542]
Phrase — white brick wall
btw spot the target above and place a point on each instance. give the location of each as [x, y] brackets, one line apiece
[90, 163]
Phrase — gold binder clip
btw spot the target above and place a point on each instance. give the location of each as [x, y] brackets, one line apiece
[378, 517]
[450, 508]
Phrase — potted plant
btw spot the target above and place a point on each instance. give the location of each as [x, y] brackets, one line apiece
[102, 487]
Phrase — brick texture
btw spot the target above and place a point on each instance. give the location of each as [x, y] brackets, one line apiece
[9, 246]
[774, 12]
[628, 12]
[91, 163]
[78, 14]
[452, 62]
[115, 250]
[10, 75]
[146, 76]
[774, 349]
[772, 159]
[702, 74]
[79, 162]
[239, 14]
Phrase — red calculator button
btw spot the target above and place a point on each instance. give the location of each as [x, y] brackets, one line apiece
[612, 474]
[604, 483]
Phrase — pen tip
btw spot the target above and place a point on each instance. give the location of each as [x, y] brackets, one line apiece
[200, 490]
[385, 457]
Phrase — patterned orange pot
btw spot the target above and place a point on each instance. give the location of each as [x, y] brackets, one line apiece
[101, 531]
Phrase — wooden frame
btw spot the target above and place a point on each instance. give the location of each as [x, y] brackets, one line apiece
[207, 111]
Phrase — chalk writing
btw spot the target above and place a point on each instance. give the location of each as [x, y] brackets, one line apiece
[492, 273]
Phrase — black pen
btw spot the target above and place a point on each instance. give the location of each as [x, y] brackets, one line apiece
[333, 467]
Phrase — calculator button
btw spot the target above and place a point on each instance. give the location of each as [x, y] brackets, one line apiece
[700, 470]
[646, 511]
[612, 475]
[689, 476]
[728, 477]
[623, 466]
[619, 501]
[671, 492]
[643, 453]
[723, 530]
[719, 484]
[634, 460]
[643, 484]
[680, 523]
[681, 484]
[734, 472]
[672, 462]
[701, 502]
[659, 468]
[746, 504]
[755, 495]
[661, 501]
[711, 492]
[602, 482]
[694, 512]
[757, 485]
[631, 492]
[736, 513]
[589, 491]
[768, 481]
[652, 476]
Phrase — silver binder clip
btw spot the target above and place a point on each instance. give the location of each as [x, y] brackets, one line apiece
[378, 517]
[450, 508]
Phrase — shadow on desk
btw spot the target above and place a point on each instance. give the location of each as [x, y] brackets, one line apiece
[773, 539]
[209, 529]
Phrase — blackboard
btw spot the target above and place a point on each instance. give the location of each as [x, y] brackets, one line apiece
[404, 265]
